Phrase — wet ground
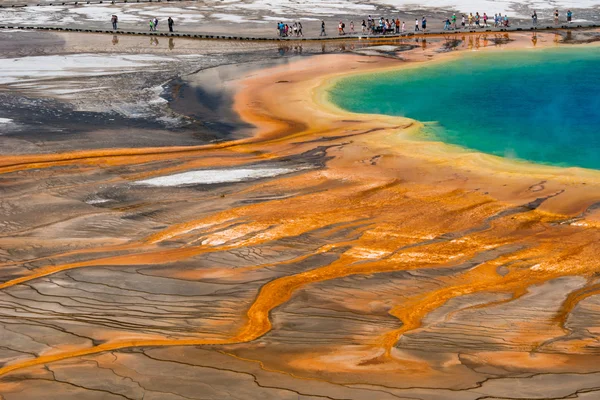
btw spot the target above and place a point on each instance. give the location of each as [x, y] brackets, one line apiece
[303, 259]
[164, 105]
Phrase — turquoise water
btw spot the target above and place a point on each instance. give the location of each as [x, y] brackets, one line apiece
[540, 106]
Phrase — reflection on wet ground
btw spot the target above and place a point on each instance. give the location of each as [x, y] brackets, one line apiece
[580, 37]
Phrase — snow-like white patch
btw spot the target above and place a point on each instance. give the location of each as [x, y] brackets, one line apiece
[5, 120]
[213, 176]
[102, 13]
[37, 68]
[136, 15]
[382, 48]
[97, 201]
[15, 31]
[172, 122]
[287, 19]
[307, 7]
[157, 91]
[73, 91]
[231, 18]
[491, 7]
[99, 15]
[184, 56]
[157, 100]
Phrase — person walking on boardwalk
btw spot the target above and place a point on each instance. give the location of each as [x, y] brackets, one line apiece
[477, 18]
[155, 23]
[470, 20]
[114, 21]
[485, 19]
[403, 27]
[300, 29]
[170, 22]
[569, 16]
[534, 18]
[454, 21]
[424, 23]
[556, 17]
[351, 27]
[416, 25]
[151, 23]
[323, 33]
[397, 25]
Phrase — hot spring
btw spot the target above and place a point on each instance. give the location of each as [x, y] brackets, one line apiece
[541, 106]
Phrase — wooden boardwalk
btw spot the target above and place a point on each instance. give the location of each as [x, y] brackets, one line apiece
[220, 36]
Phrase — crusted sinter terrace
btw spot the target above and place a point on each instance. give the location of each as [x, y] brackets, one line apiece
[196, 219]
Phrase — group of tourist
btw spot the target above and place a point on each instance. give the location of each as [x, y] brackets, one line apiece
[478, 21]
[475, 21]
[371, 26]
[386, 25]
[285, 30]
[569, 15]
[153, 23]
[382, 26]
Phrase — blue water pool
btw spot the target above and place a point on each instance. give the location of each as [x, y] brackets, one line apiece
[541, 106]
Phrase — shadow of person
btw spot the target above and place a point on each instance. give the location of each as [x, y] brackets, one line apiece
[115, 40]
[171, 44]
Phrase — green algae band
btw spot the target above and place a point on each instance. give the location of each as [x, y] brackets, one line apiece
[541, 106]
